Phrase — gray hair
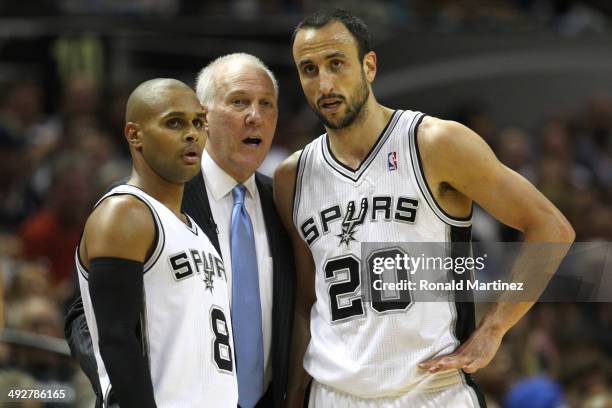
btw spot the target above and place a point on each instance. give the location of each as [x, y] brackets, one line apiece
[205, 82]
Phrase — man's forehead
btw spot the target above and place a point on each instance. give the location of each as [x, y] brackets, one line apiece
[243, 78]
[175, 103]
[331, 36]
[174, 96]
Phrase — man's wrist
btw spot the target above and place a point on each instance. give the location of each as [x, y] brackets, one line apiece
[493, 327]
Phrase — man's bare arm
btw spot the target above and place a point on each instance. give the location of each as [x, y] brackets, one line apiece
[120, 227]
[116, 240]
[284, 183]
[446, 147]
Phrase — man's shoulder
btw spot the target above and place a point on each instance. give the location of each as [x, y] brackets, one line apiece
[288, 168]
[262, 178]
[120, 210]
[439, 135]
[120, 226]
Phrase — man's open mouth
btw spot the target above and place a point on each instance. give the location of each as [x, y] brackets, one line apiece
[330, 104]
[253, 141]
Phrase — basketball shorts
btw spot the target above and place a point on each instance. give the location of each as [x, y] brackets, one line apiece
[456, 396]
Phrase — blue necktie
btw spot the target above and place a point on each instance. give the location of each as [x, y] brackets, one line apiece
[246, 306]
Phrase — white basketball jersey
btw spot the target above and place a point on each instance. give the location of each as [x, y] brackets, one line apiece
[185, 326]
[366, 348]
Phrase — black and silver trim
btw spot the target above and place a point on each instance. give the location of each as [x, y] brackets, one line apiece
[459, 239]
[299, 175]
[160, 236]
[344, 170]
[191, 224]
[422, 181]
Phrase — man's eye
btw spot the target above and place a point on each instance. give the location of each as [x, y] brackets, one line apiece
[174, 123]
[309, 69]
[198, 123]
[238, 102]
[336, 63]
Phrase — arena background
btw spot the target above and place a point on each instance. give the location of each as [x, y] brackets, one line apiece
[532, 77]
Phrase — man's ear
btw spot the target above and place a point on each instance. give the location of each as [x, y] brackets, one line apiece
[205, 109]
[133, 134]
[369, 66]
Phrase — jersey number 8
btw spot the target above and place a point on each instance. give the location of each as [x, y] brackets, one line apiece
[222, 351]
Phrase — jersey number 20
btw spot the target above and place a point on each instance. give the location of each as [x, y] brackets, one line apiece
[346, 301]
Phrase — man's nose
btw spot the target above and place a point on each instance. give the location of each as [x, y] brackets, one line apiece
[326, 84]
[254, 115]
[192, 134]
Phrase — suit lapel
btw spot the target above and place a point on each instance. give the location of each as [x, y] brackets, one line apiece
[270, 219]
[196, 204]
[267, 207]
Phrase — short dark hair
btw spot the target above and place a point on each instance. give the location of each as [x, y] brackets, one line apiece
[354, 24]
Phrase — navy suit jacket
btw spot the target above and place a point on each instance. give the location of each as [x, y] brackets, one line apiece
[196, 204]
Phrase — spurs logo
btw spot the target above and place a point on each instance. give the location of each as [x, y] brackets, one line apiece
[208, 280]
[387, 208]
[351, 221]
[199, 263]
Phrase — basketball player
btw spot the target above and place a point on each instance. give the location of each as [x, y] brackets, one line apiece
[153, 286]
[384, 175]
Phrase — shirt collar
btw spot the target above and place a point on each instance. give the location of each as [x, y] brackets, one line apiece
[218, 182]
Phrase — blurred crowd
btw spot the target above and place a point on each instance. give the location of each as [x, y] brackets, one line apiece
[569, 17]
[52, 168]
[568, 157]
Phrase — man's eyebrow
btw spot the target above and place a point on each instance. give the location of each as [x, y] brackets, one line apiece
[236, 92]
[182, 114]
[305, 62]
[335, 55]
[327, 57]
[175, 113]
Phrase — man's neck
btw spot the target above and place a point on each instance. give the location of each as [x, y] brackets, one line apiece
[352, 144]
[167, 193]
[239, 175]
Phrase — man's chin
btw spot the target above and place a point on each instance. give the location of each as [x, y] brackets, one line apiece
[335, 122]
[189, 175]
[247, 165]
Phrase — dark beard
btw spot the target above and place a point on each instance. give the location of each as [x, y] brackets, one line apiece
[353, 110]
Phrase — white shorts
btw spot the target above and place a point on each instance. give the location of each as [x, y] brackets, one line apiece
[457, 396]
